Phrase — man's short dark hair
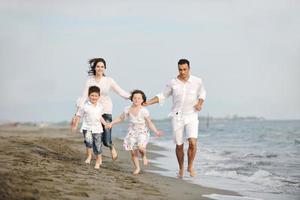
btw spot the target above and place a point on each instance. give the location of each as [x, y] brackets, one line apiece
[184, 61]
[94, 89]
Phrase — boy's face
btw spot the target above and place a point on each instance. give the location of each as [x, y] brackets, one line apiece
[94, 97]
[137, 99]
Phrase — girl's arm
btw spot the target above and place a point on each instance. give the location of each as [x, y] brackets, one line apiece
[117, 120]
[152, 126]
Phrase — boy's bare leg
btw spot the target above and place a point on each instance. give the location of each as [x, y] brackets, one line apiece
[142, 151]
[191, 155]
[88, 155]
[135, 160]
[98, 161]
[180, 159]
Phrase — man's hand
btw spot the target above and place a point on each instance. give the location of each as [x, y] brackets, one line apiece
[199, 104]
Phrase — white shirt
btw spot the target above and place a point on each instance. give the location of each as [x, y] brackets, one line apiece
[184, 95]
[106, 84]
[137, 122]
[91, 117]
[139, 119]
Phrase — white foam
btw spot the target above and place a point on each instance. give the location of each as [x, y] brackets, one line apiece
[229, 197]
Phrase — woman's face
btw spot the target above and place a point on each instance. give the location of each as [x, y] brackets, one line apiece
[100, 68]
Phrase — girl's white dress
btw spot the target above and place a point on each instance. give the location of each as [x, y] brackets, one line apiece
[138, 134]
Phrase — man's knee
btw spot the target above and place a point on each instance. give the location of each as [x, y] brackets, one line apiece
[192, 142]
[179, 147]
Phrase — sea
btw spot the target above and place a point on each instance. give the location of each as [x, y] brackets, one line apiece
[259, 159]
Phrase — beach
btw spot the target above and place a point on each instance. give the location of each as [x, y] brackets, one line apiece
[48, 163]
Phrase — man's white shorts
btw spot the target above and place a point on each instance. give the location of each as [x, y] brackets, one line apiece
[187, 125]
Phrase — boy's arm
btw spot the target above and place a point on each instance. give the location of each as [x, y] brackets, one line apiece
[152, 126]
[103, 121]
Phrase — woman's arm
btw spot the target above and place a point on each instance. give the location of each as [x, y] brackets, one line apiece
[118, 90]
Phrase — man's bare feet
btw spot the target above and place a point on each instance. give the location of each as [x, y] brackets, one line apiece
[114, 154]
[192, 172]
[136, 171]
[145, 160]
[180, 173]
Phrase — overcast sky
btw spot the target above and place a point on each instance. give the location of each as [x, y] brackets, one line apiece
[246, 52]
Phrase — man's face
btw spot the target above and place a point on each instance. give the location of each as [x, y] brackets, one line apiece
[184, 71]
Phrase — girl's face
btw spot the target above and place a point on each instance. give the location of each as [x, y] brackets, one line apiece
[100, 68]
[94, 97]
[137, 99]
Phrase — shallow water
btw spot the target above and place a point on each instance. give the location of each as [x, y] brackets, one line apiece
[258, 158]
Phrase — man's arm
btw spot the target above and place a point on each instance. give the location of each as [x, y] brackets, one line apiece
[199, 104]
[154, 100]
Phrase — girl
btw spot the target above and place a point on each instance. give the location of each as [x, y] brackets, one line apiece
[138, 136]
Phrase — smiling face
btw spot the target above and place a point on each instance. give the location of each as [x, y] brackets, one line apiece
[94, 97]
[137, 99]
[184, 71]
[100, 68]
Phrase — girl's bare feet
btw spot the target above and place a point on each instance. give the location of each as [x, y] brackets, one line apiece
[136, 171]
[145, 160]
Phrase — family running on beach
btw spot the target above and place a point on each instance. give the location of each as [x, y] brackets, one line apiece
[95, 109]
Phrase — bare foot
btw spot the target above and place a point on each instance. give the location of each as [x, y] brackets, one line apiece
[192, 172]
[180, 173]
[145, 160]
[114, 154]
[137, 171]
[88, 160]
[98, 164]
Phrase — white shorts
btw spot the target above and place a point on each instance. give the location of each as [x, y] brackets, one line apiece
[182, 125]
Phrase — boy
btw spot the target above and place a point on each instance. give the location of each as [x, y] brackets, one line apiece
[91, 126]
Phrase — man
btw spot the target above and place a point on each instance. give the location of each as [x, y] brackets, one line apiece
[188, 96]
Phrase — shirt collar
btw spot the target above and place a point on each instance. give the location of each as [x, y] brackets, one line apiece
[189, 80]
[90, 103]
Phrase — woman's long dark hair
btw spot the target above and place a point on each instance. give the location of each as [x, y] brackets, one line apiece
[93, 62]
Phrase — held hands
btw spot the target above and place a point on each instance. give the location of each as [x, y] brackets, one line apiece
[109, 126]
[159, 133]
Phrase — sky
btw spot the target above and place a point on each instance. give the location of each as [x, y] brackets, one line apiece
[247, 52]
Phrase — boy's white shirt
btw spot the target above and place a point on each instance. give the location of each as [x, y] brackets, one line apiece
[91, 117]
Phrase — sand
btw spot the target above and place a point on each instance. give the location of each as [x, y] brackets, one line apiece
[48, 163]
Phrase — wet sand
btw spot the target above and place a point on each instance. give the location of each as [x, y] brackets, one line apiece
[48, 163]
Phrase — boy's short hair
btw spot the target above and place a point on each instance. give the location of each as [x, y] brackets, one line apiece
[138, 92]
[93, 89]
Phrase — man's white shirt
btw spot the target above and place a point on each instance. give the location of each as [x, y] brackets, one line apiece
[185, 95]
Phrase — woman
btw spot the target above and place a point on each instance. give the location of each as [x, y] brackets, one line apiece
[106, 84]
